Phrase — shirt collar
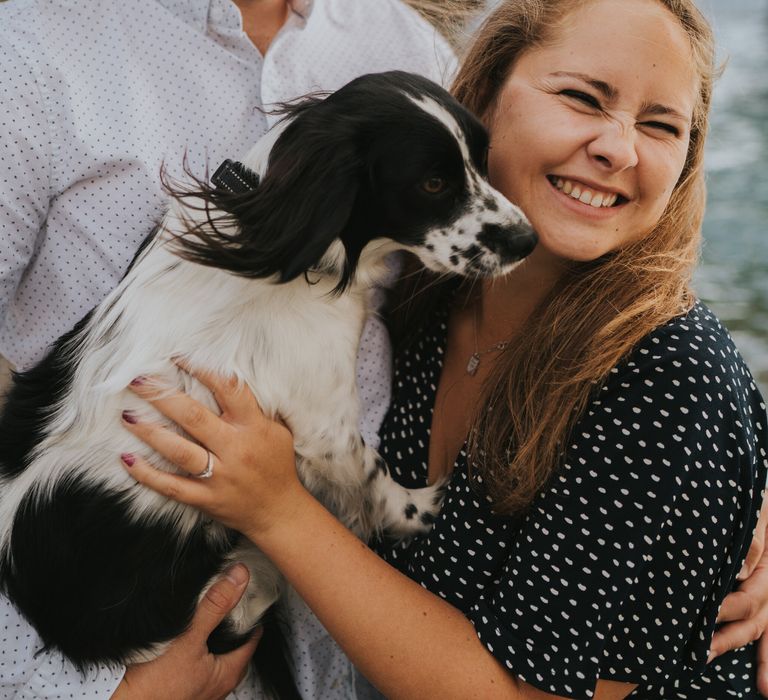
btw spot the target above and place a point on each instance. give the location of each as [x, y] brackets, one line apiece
[221, 13]
[303, 8]
[191, 12]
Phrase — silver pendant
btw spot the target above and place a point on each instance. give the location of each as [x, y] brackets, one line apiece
[474, 361]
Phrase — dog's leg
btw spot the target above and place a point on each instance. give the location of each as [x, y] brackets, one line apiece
[353, 481]
[399, 511]
[264, 588]
[271, 661]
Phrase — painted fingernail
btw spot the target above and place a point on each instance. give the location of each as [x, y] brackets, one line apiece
[743, 573]
[128, 459]
[130, 417]
[238, 574]
[711, 656]
[138, 381]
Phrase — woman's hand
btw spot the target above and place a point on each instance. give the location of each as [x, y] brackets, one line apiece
[254, 482]
[186, 670]
[746, 610]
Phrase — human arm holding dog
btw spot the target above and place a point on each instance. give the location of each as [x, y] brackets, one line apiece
[255, 489]
[187, 670]
[422, 646]
[47, 286]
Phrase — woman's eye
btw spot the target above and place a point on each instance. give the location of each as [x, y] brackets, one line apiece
[584, 97]
[663, 126]
[433, 185]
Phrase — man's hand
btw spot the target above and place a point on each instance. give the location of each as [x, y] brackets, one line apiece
[187, 670]
[746, 610]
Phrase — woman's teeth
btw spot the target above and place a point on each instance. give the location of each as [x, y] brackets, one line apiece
[594, 198]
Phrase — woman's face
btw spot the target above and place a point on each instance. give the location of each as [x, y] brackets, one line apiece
[589, 135]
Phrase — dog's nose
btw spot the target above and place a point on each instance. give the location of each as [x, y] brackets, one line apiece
[528, 240]
[511, 242]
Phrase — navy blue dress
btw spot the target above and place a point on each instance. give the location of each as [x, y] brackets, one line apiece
[619, 568]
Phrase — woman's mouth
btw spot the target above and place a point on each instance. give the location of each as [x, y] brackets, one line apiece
[586, 195]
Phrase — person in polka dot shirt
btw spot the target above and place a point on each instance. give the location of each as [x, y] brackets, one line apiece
[94, 98]
[604, 445]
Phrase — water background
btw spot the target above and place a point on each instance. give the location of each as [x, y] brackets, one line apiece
[733, 276]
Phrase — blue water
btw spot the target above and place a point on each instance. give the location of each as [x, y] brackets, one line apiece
[733, 277]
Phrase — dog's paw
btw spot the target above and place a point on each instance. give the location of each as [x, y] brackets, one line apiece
[411, 512]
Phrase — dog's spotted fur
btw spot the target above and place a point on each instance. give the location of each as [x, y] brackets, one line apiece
[271, 287]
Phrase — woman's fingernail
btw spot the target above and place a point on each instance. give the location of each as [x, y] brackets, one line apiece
[711, 656]
[130, 417]
[743, 573]
[238, 574]
[138, 381]
[128, 459]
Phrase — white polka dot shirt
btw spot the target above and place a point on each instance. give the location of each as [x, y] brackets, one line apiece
[94, 98]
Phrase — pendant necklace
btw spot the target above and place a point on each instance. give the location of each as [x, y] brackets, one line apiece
[474, 358]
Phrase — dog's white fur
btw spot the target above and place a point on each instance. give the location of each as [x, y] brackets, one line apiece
[293, 344]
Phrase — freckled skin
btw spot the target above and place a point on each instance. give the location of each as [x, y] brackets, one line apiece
[614, 147]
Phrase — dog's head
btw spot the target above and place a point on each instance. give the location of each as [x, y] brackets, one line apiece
[390, 157]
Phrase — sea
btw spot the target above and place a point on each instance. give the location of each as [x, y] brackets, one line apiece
[733, 275]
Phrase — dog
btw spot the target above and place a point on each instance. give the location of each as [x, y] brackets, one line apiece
[268, 283]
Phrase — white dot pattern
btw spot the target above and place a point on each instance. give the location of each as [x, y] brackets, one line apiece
[94, 97]
[619, 568]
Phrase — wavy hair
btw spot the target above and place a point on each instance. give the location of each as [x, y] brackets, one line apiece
[599, 310]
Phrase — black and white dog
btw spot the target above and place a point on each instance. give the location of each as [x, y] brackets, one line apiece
[270, 285]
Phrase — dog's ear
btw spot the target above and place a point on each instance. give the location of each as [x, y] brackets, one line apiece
[307, 195]
[302, 204]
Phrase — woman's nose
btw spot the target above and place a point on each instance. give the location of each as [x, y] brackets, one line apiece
[614, 147]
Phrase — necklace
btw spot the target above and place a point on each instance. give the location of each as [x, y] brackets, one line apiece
[474, 358]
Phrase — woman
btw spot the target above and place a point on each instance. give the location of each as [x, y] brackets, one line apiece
[611, 444]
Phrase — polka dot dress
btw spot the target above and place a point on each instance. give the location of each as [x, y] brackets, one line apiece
[619, 568]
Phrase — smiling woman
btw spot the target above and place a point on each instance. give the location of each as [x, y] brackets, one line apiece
[617, 129]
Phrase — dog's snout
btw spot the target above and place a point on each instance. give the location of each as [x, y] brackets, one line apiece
[509, 242]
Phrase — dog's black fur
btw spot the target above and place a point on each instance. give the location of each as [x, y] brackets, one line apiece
[84, 555]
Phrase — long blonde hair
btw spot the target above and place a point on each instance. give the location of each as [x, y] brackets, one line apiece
[600, 310]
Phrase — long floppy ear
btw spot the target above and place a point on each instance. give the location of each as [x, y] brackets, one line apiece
[311, 185]
[301, 206]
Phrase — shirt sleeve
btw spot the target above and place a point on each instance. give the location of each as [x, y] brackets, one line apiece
[25, 169]
[622, 562]
[28, 673]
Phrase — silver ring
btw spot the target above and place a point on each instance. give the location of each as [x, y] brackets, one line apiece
[207, 473]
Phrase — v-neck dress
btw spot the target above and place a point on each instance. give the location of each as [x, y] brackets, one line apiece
[619, 567]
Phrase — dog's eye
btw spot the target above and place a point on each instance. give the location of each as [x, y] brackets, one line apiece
[433, 185]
